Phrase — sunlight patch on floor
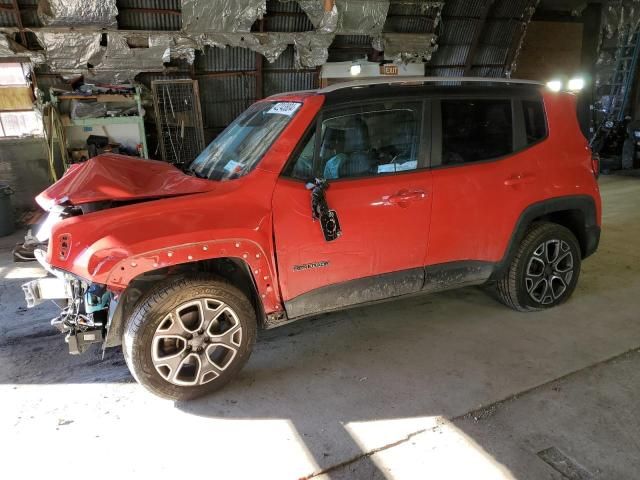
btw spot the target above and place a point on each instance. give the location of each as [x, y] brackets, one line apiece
[145, 435]
[441, 449]
[22, 272]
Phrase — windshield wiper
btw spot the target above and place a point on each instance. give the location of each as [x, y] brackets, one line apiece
[193, 173]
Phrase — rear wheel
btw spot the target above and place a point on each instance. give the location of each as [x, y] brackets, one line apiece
[545, 270]
[189, 336]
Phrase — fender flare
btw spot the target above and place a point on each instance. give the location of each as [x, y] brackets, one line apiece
[249, 253]
[589, 237]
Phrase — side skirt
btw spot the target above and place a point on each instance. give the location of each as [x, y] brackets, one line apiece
[384, 287]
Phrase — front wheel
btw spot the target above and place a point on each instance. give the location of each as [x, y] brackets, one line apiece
[189, 336]
[544, 272]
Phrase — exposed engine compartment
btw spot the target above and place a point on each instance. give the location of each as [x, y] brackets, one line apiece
[84, 319]
[84, 306]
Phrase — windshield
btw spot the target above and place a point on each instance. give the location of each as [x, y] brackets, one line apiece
[237, 150]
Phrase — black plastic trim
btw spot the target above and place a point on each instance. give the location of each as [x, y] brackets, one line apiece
[388, 286]
[355, 292]
[588, 233]
[446, 276]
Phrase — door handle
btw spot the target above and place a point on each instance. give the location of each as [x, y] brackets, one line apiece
[402, 197]
[520, 179]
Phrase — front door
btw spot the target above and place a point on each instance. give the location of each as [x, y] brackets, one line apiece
[372, 157]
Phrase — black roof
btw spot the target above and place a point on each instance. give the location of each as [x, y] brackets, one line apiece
[408, 90]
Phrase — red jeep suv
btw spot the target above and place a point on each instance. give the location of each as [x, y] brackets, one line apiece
[317, 201]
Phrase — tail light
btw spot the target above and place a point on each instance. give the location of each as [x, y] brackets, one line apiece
[595, 164]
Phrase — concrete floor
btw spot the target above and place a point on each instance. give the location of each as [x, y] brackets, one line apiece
[451, 385]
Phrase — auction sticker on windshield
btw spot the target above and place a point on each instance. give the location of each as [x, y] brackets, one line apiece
[285, 108]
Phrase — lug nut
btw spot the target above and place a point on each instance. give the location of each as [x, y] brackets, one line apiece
[200, 332]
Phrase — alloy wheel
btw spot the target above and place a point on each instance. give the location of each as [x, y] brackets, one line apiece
[549, 271]
[196, 342]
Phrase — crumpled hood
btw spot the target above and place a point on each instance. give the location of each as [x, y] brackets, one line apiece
[120, 178]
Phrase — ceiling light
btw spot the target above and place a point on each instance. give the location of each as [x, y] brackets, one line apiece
[576, 84]
[554, 85]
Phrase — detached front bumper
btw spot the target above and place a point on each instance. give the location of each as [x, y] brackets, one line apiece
[49, 288]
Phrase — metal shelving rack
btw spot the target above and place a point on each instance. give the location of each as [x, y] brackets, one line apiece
[137, 120]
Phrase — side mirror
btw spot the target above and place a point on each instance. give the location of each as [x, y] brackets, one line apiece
[320, 209]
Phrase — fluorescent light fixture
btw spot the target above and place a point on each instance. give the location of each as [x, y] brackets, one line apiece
[554, 85]
[576, 84]
[355, 69]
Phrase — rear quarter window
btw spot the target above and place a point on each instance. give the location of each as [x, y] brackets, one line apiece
[535, 122]
[476, 129]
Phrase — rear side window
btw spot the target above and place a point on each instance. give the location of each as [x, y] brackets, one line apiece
[534, 120]
[475, 129]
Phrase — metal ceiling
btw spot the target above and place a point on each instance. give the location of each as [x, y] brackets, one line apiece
[468, 37]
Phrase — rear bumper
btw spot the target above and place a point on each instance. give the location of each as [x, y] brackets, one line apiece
[49, 288]
[592, 240]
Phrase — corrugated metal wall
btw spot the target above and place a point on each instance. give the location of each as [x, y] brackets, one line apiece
[471, 38]
[149, 14]
[230, 80]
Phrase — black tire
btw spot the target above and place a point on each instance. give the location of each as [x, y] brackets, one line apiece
[515, 287]
[153, 310]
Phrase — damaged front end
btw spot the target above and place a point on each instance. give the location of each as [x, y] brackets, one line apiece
[66, 245]
[85, 306]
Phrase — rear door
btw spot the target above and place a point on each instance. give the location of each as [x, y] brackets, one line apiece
[373, 157]
[487, 168]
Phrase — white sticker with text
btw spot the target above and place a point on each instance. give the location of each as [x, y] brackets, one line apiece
[284, 108]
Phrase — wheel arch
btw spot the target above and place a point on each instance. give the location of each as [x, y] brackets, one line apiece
[235, 270]
[577, 213]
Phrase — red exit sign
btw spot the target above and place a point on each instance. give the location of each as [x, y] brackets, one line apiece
[388, 69]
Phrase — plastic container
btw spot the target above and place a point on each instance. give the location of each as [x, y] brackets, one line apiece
[7, 220]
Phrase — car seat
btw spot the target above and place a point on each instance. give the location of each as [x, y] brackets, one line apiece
[358, 149]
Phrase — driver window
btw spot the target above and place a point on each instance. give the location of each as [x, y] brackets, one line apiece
[370, 140]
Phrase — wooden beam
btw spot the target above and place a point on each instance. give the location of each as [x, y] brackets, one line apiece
[477, 34]
[16, 13]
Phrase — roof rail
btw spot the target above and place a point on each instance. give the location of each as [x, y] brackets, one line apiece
[422, 80]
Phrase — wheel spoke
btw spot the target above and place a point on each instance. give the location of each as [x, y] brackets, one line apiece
[552, 248]
[211, 310]
[536, 266]
[557, 281]
[231, 337]
[191, 316]
[171, 362]
[540, 251]
[208, 371]
[171, 326]
[188, 371]
[535, 289]
[564, 263]
[546, 296]
[220, 355]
